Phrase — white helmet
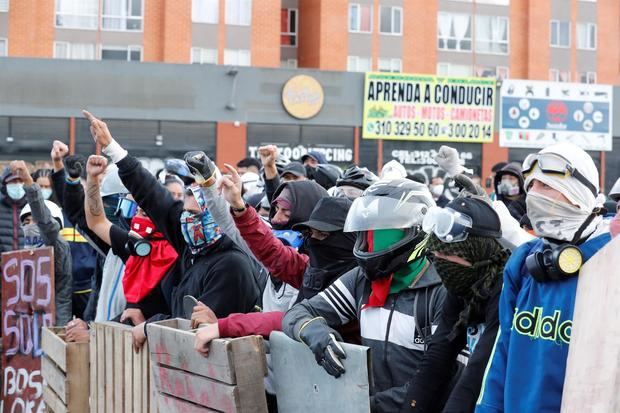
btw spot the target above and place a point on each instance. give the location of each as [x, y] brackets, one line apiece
[615, 191]
[54, 209]
[112, 183]
[393, 170]
[252, 184]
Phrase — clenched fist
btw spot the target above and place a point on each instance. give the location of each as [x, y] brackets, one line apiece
[268, 155]
[20, 169]
[96, 165]
[59, 151]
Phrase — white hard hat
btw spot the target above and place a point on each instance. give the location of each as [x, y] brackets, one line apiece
[252, 184]
[112, 183]
[54, 209]
[393, 170]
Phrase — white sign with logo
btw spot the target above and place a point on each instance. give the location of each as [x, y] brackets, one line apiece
[333, 154]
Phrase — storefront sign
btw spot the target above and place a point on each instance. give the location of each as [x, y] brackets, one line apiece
[302, 97]
[536, 114]
[428, 108]
[333, 154]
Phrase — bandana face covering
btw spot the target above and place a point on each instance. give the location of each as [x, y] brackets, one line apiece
[199, 230]
[552, 218]
[32, 236]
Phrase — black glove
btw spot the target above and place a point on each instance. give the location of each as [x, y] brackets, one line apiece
[75, 166]
[323, 341]
[200, 166]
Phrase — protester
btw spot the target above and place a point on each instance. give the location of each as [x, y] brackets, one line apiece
[148, 257]
[510, 190]
[294, 171]
[490, 181]
[528, 364]
[41, 222]
[353, 182]
[326, 175]
[470, 262]
[614, 194]
[253, 185]
[12, 200]
[437, 190]
[248, 165]
[404, 305]
[214, 269]
[175, 186]
[313, 158]
[42, 177]
[176, 167]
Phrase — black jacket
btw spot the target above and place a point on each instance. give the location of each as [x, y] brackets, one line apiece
[11, 236]
[516, 207]
[221, 276]
[427, 388]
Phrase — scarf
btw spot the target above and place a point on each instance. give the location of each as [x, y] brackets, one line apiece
[473, 284]
[143, 274]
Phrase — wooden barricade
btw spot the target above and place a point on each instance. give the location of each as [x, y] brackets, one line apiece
[119, 377]
[64, 367]
[230, 379]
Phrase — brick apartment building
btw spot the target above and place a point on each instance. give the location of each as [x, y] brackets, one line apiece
[560, 40]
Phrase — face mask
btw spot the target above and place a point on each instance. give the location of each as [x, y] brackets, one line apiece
[15, 191]
[437, 190]
[32, 236]
[553, 218]
[508, 189]
[46, 193]
[199, 230]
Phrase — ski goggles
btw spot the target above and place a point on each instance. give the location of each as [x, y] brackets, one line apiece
[555, 164]
[447, 224]
[126, 208]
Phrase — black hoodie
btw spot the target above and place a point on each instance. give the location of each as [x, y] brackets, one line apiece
[304, 197]
[516, 207]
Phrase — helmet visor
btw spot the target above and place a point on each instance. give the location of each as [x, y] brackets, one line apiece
[380, 212]
[447, 224]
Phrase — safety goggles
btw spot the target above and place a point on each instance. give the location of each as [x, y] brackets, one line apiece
[447, 224]
[126, 208]
[555, 164]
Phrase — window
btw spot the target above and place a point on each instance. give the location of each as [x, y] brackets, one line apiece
[4, 5]
[454, 32]
[237, 57]
[201, 55]
[358, 64]
[239, 12]
[560, 33]
[288, 64]
[499, 72]
[4, 50]
[586, 36]
[587, 77]
[556, 75]
[391, 20]
[77, 51]
[129, 53]
[448, 69]
[390, 65]
[360, 18]
[288, 23]
[77, 14]
[122, 15]
[206, 11]
[492, 34]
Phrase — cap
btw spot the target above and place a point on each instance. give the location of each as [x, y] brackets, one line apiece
[328, 215]
[485, 221]
[294, 168]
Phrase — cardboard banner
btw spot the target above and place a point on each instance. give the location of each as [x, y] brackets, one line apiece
[413, 107]
[536, 114]
[27, 305]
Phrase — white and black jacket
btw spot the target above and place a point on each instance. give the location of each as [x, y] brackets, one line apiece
[397, 333]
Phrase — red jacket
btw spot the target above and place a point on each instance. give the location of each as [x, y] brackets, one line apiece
[239, 325]
[284, 263]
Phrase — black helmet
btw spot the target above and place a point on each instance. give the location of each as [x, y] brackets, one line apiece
[395, 204]
[357, 177]
[326, 175]
[178, 167]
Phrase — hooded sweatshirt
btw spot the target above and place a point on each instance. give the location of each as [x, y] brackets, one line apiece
[11, 236]
[303, 197]
[516, 207]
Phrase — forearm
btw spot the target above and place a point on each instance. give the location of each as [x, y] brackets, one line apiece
[58, 182]
[41, 215]
[94, 211]
[239, 325]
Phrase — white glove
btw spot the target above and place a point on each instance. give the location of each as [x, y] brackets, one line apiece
[449, 160]
[512, 233]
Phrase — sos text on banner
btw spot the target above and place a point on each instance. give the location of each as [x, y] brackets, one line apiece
[536, 114]
[400, 106]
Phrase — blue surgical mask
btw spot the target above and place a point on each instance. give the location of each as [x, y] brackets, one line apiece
[32, 236]
[15, 191]
[46, 193]
[199, 230]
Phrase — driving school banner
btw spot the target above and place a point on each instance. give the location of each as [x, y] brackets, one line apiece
[536, 114]
[400, 106]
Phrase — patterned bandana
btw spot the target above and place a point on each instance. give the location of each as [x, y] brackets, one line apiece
[199, 230]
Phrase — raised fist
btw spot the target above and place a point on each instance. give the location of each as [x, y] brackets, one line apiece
[268, 155]
[96, 165]
[20, 169]
[200, 166]
[59, 151]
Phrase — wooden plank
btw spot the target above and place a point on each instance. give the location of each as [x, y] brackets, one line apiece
[77, 370]
[250, 366]
[175, 348]
[55, 378]
[108, 332]
[128, 370]
[593, 367]
[137, 383]
[144, 356]
[53, 345]
[169, 403]
[119, 369]
[101, 382]
[196, 389]
[93, 371]
[52, 401]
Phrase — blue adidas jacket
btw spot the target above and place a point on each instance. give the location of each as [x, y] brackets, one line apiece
[527, 367]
